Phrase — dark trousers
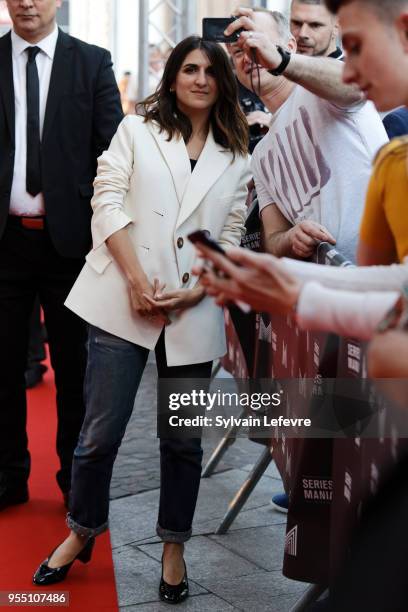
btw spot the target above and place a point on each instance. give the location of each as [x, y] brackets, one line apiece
[30, 266]
[114, 371]
[36, 347]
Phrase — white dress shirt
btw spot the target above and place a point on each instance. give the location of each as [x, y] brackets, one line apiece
[21, 202]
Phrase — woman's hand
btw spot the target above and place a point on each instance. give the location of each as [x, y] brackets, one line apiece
[141, 291]
[179, 299]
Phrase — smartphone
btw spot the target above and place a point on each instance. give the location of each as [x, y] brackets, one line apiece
[213, 29]
[203, 237]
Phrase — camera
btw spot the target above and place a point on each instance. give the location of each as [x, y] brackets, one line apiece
[213, 29]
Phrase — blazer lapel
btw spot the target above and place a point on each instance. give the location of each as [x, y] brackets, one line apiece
[176, 157]
[212, 162]
[6, 82]
[61, 69]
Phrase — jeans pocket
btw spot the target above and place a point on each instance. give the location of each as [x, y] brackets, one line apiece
[101, 337]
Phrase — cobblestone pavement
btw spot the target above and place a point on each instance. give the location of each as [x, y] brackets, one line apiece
[237, 571]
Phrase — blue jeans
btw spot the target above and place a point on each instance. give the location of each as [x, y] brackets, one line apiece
[114, 370]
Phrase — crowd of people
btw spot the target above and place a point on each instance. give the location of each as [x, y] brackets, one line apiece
[95, 213]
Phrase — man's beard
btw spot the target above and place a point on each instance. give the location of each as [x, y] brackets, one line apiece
[324, 52]
[320, 53]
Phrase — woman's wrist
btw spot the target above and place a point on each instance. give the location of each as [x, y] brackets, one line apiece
[195, 295]
[139, 282]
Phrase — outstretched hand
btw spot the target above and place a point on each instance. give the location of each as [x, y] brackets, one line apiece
[260, 280]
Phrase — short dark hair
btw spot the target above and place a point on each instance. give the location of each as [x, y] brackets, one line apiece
[228, 122]
[386, 8]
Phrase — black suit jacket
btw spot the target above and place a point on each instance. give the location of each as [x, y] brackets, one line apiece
[82, 114]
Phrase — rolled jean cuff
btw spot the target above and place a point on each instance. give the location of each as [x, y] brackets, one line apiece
[173, 536]
[86, 532]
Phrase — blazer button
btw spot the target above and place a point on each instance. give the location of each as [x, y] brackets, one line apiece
[186, 277]
[180, 242]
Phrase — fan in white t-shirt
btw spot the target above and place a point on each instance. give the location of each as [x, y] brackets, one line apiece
[312, 168]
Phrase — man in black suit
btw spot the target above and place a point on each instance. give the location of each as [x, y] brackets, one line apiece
[59, 108]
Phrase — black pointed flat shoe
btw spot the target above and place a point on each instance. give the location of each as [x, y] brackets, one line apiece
[50, 575]
[173, 593]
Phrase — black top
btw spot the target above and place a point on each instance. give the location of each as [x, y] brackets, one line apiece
[337, 54]
[193, 164]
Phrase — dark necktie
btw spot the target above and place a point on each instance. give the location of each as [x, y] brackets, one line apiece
[33, 177]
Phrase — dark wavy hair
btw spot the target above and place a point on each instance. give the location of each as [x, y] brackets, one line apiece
[228, 122]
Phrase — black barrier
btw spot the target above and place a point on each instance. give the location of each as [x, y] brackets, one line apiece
[246, 322]
[328, 481]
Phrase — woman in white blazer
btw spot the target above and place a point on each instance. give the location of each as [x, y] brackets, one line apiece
[180, 167]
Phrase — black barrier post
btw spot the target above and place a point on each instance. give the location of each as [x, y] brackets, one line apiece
[311, 595]
[245, 491]
[226, 441]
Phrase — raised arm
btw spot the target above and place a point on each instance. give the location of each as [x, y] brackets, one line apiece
[320, 75]
[323, 77]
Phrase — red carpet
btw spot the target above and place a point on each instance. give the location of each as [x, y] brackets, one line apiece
[29, 532]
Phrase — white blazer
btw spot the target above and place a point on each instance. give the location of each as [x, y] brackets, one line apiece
[146, 183]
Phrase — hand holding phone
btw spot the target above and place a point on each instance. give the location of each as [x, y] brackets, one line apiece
[203, 237]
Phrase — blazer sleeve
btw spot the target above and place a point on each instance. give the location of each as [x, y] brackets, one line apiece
[234, 227]
[115, 167]
[107, 112]
[345, 313]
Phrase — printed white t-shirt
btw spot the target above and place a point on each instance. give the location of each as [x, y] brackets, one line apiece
[316, 161]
